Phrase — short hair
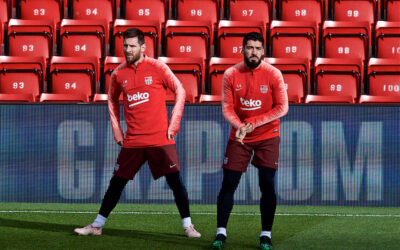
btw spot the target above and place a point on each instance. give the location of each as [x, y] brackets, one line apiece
[253, 36]
[133, 32]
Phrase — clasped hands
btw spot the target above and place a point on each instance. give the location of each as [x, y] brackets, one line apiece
[241, 132]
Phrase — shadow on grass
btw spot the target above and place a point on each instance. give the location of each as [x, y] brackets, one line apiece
[179, 240]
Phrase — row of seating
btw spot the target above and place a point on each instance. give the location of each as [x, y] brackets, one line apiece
[193, 39]
[203, 10]
[80, 79]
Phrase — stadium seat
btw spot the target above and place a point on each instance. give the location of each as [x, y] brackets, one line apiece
[379, 99]
[190, 72]
[31, 38]
[110, 63]
[92, 10]
[296, 74]
[355, 11]
[71, 79]
[383, 77]
[40, 10]
[21, 78]
[209, 99]
[198, 10]
[391, 9]
[83, 38]
[250, 10]
[303, 10]
[217, 67]
[5, 11]
[346, 39]
[293, 39]
[187, 39]
[387, 39]
[336, 80]
[152, 32]
[145, 10]
[230, 36]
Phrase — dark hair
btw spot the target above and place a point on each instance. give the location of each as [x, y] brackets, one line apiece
[130, 33]
[253, 36]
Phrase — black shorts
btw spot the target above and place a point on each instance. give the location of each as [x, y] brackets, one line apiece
[162, 160]
[266, 154]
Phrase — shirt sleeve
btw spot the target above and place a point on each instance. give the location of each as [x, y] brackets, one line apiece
[228, 109]
[114, 92]
[173, 83]
[280, 100]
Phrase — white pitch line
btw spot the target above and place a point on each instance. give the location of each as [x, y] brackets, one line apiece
[199, 213]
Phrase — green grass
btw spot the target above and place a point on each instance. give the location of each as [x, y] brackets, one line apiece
[311, 228]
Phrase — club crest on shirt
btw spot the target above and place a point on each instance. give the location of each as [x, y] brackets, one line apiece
[238, 87]
[148, 80]
[125, 83]
[263, 89]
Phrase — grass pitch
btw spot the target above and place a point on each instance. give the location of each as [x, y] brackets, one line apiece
[133, 226]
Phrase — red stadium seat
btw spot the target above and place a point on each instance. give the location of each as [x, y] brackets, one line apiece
[354, 11]
[303, 10]
[217, 67]
[230, 36]
[40, 10]
[5, 11]
[296, 74]
[21, 78]
[387, 39]
[383, 77]
[110, 63]
[72, 79]
[346, 39]
[336, 80]
[31, 38]
[187, 39]
[198, 10]
[250, 10]
[216, 99]
[92, 10]
[379, 99]
[391, 9]
[293, 39]
[190, 72]
[83, 38]
[155, 10]
[152, 32]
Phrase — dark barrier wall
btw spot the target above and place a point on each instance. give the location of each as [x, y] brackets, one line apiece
[330, 155]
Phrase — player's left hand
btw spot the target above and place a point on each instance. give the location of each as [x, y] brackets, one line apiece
[170, 136]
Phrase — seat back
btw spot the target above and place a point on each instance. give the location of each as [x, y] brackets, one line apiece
[198, 10]
[217, 67]
[41, 10]
[187, 39]
[354, 11]
[296, 74]
[231, 33]
[190, 72]
[293, 39]
[300, 10]
[110, 63]
[346, 39]
[31, 38]
[92, 10]
[73, 75]
[155, 10]
[83, 38]
[387, 39]
[22, 75]
[152, 35]
[5, 11]
[250, 10]
[391, 8]
[383, 77]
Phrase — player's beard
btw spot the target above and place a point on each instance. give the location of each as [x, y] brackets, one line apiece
[131, 59]
[252, 64]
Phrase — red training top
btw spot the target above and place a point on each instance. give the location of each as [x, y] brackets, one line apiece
[257, 96]
[144, 90]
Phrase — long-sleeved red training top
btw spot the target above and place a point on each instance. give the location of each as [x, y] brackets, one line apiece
[255, 96]
[144, 90]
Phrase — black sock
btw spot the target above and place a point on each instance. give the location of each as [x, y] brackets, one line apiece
[111, 198]
[225, 198]
[266, 178]
[180, 194]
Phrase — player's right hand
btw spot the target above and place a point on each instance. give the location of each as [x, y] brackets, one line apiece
[120, 143]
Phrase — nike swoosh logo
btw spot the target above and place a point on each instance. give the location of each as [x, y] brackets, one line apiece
[172, 166]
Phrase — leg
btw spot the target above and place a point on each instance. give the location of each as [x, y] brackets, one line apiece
[268, 197]
[225, 198]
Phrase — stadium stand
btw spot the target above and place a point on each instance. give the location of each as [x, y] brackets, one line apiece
[336, 80]
[387, 39]
[152, 32]
[190, 72]
[72, 79]
[21, 78]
